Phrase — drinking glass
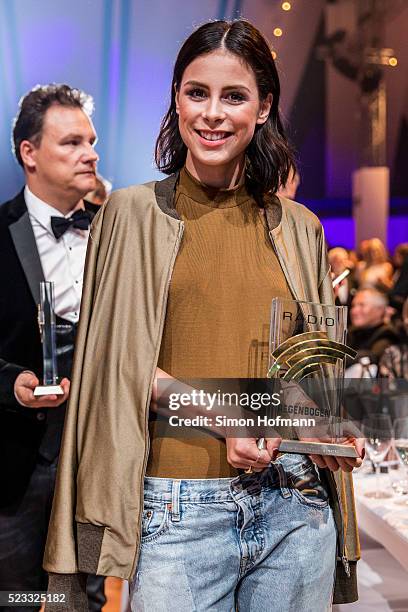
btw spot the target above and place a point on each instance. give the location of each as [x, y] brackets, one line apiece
[378, 433]
[401, 446]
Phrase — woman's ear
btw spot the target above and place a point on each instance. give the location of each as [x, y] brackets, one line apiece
[264, 109]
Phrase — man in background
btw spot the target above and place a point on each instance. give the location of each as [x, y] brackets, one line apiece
[370, 335]
[340, 261]
[102, 191]
[44, 232]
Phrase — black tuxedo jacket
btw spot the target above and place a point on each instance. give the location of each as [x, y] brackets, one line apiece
[21, 429]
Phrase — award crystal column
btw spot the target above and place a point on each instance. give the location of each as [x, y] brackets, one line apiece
[46, 322]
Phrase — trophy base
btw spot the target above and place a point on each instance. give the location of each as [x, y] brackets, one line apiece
[48, 390]
[318, 448]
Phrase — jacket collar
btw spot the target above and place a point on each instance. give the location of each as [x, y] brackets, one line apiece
[25, 244]
[26, 247]
[165, 191]
[165, 196]
[16, 207]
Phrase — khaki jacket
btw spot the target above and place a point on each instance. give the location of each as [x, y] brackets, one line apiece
[135, 238]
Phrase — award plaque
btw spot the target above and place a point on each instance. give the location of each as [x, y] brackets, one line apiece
[46, 322]
[307, 352]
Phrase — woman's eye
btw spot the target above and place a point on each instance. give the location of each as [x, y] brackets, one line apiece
[196, 93]
[235, 97]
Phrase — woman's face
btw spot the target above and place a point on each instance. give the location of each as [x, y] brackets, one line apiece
[218, 106]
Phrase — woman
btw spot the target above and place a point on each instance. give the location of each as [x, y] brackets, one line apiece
[374, 270]
[180, 279]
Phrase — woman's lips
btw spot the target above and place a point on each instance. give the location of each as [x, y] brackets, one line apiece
[212, 139]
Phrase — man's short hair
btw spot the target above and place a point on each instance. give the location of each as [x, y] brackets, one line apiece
[28, 124]
[377, 298]
[338, 252]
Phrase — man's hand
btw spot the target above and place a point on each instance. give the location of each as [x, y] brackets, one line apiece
[243, 453]
[347, 464]
[24, 386]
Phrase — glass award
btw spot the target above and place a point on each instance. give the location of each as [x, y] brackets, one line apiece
[46, 322]
[307, 353]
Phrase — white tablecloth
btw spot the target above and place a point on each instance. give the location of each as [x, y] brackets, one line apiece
[382, 519]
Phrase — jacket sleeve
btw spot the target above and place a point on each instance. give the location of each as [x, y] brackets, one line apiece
[60, 552]
[8, 375]
[69, 591]
[95, 519]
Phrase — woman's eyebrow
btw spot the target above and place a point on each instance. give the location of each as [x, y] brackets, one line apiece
[238, 86]
[196, 84]
[226, 88]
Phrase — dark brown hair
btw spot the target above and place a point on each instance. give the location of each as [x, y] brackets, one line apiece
[269, 154]
[28, 124]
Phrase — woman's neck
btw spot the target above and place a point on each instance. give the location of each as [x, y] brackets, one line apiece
[220, 177]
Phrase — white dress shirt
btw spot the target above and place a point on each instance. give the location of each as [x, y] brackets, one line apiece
[62, 260]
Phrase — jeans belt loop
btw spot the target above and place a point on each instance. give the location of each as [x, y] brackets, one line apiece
[175, 501]
[283, 481]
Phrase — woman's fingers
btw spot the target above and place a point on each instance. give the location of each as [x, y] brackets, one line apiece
[243, 452]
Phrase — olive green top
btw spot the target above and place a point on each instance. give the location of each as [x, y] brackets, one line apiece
[218, 312]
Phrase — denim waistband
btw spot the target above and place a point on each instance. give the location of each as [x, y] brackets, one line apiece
[224, 489]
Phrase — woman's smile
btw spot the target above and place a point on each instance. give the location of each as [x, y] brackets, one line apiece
[213, 138]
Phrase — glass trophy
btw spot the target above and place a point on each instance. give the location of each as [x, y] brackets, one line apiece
[307, 353]
[46, 322]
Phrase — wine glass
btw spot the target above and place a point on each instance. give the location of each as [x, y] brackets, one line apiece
[378, 433]
[401, 446]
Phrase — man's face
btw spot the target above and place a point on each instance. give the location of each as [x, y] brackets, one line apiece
[365, 312]
[64, 163]
[338, 263]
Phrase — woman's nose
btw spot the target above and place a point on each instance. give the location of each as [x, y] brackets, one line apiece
[213, 110]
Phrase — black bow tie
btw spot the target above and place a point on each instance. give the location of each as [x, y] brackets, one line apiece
[81, 219]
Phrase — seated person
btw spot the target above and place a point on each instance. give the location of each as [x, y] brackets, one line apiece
[394, 361]
[374, 270]
[340, 261]
[399, 292]
[369, 334]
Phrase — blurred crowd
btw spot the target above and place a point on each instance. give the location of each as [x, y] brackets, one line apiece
[376, 292]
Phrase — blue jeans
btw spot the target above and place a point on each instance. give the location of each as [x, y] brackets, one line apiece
[258, 542]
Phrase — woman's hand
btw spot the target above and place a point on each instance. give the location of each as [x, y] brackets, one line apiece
[347, 464]
[244, 453]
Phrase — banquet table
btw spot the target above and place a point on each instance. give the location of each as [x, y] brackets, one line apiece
[384, 520]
